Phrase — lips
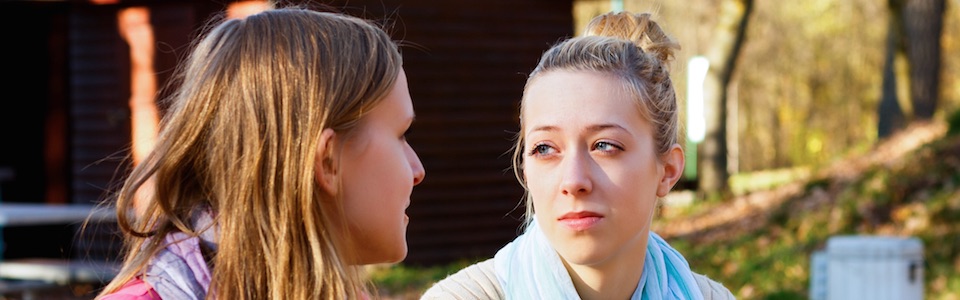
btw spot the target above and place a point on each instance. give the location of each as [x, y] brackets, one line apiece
[580, 221]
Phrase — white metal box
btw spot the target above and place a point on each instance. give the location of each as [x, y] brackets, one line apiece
[868, 267]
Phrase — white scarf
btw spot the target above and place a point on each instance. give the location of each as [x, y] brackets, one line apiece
[529, 268]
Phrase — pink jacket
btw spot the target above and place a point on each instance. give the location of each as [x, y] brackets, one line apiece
[136, 289]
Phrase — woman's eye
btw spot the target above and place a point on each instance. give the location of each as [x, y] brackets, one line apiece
[540, 150]
[607, 147]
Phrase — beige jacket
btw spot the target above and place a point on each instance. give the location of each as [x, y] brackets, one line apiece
[479, 281]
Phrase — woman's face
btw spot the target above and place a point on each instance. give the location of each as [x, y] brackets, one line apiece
[591, 167]
[379, 172]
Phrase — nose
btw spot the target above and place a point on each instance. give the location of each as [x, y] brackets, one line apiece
[575, 169]
[416, 166]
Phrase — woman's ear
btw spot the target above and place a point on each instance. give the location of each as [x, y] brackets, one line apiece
[672, 170]
[326, 166]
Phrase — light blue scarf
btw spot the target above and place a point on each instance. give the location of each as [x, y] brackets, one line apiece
[529, 268]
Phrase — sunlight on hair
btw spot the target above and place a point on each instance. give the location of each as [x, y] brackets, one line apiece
[242, 9]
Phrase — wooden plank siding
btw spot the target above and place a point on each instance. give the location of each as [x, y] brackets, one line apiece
[100, 109]
[466, 64]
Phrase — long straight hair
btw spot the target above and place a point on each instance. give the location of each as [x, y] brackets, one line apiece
[240, 139]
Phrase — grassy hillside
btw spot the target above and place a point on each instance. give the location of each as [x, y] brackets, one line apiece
[759, 245]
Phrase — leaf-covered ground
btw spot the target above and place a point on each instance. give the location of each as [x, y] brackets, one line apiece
[759, 245]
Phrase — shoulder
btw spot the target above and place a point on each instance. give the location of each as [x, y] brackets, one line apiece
[136, 289]
[478, 281]
[712, 290]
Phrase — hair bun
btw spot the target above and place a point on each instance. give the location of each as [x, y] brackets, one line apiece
[638, 28]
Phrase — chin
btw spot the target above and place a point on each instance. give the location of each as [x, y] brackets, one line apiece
[384, 257]
[581, 255]
[581, 259]
[396, 257]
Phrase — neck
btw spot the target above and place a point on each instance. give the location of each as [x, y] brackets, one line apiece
[615, 278]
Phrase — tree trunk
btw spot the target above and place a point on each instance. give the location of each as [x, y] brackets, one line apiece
[723, 54]
[923, 25]
[890, 116]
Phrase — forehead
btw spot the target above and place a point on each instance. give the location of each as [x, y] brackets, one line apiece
[395, 109]
[562, 97]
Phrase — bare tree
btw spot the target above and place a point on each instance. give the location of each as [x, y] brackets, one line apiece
[724, 51]
[923, 25]
[914, 31]
[890, 116]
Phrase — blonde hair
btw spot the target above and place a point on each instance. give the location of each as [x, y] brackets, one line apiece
[629, 46]
[240, 138]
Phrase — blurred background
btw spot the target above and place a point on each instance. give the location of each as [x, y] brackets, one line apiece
[802, 120]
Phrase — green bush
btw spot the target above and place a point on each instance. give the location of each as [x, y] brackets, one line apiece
[953, 121]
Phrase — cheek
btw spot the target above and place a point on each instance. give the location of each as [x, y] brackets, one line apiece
[380, 178]
[540, 182]
[357, 176]
[637, 188]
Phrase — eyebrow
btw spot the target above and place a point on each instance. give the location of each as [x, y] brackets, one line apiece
[591, 128]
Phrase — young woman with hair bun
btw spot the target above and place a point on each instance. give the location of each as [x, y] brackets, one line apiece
[597, 149]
